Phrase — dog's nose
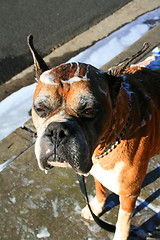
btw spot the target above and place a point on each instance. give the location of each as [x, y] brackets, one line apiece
[57, 131]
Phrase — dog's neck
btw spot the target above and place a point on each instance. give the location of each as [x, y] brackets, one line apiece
[128, 116]
[118, 127]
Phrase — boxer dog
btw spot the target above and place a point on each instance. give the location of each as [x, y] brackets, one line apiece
[101, 123]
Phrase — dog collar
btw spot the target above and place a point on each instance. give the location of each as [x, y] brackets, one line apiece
[115, 143]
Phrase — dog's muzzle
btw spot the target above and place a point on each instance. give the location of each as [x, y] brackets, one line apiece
[63, 144]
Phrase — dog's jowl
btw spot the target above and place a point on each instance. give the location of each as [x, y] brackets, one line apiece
[98, 123]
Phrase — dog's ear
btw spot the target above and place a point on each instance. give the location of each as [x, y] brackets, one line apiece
[119, 68]
[39, 64]
[115, 73]
[114, 84]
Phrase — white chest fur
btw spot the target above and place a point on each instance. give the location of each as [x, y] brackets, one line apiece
[109, 178]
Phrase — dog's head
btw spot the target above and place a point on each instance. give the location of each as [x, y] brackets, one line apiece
[72, 107]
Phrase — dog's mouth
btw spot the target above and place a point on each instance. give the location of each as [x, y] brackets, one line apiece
[51, 160]
[51, 165]
[61, 165]
[63, 145]
[58, 164]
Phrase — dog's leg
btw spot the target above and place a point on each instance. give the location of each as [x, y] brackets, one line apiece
[127, 205]
[97, 203]
[101, 192]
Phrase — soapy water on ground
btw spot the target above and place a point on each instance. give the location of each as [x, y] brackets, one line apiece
[43, 233]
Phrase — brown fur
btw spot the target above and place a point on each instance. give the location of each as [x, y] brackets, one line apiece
[140, 142]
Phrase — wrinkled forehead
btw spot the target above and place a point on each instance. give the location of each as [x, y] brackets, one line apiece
[68, 81]
[69, 73]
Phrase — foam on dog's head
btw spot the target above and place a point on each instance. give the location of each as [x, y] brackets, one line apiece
[47, 77]
[69, 73]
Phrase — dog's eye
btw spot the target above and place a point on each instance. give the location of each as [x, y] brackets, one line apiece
[42, 111]
[89, 112]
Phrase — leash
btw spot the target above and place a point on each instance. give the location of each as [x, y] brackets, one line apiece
[29, 130]
[30, 145]
[106, 226]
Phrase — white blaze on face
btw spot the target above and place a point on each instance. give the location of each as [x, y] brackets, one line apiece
[60, 117]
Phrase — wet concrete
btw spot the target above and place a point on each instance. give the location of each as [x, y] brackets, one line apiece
[32, 202]
[35, 205]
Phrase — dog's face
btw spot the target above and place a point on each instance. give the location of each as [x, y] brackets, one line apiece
[71, 109]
